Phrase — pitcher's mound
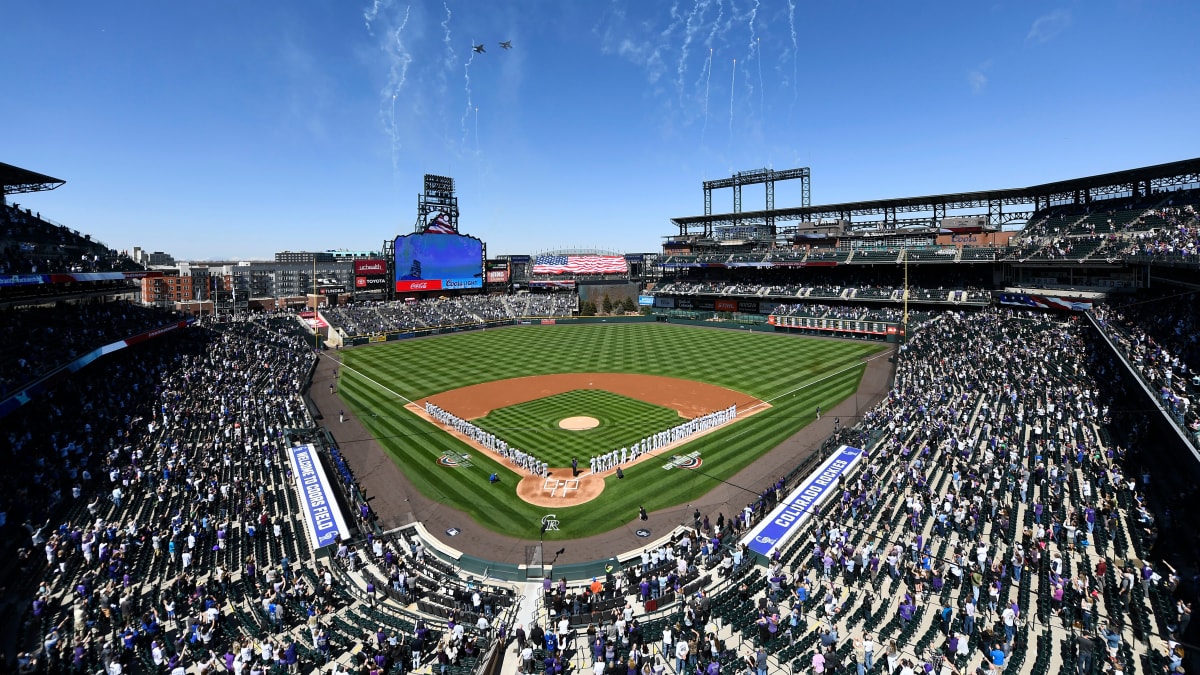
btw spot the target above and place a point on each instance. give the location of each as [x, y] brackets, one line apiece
[578, 423]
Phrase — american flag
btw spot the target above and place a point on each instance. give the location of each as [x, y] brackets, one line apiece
[580, 264]
[440, 225]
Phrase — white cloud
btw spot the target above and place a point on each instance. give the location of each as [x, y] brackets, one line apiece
[977, 77]
[1047, 26]
[977, 80]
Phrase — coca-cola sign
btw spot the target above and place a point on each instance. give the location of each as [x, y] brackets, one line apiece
[418, 285]
[364, 268]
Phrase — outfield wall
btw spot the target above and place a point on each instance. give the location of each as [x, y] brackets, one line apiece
[533, 321]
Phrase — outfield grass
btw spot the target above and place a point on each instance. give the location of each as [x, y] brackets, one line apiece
[795, 374]
[533, 426]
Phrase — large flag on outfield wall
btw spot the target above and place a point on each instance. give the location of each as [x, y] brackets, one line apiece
[580, 264]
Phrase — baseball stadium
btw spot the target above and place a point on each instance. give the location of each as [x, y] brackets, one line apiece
[917, 433]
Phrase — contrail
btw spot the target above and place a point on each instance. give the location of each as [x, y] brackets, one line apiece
[688, 33]
[707, 88]
[712, 34]
[467, 77]
[476, 132]
[399, 59]
[795, 48]
[732, 84]
[370, 14]
[450, 56]
[753, 36]
[762, 108]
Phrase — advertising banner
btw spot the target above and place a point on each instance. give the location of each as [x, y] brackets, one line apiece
[748, 306]
[497, 276]
[370, 268]
[645, 300]
[665, 303]
[705, 305]
[725, 305]
[321, 513]
[784, 520]
[976, 239]
[423, 285]
[373, 283]
[685, 303]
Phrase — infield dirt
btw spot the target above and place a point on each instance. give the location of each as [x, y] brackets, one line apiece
[688, 397]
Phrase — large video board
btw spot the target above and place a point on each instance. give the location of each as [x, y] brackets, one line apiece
[434, 262]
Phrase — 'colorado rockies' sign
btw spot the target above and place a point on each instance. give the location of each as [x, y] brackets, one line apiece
[784, 520]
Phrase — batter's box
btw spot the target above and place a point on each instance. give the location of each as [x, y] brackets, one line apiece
[555, 484]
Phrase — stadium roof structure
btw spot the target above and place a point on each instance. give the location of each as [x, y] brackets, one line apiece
[15, 180]
[1133, 182]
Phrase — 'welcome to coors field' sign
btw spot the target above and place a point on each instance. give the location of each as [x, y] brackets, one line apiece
[785, 519]
[321, 513]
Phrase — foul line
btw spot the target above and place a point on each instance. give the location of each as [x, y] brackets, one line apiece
[375, 382]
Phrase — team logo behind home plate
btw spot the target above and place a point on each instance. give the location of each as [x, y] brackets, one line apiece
[689, 461]
[455, 460]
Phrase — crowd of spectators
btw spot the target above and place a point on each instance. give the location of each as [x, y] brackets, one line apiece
[1177, 239]
[857, 284]
[161, 535]
[31, 245]
[373, 318]
[155, 504]
[998, 523]
[1160, 336]
[850, 312]
[167, 463]
[39, 339]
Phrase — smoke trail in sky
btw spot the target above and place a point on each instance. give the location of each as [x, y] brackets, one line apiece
[689, 31]
[762, 107]
[707, 88]
[476, 132]
[398, 58]
[712, 34]
[753, 38]
[467, 77]
[795, 48]
[732, 84]
[370, 14]
[450, 56]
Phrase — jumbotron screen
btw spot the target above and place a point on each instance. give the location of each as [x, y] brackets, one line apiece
[434, 262]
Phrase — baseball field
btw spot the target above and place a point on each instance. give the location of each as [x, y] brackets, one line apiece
[576, 391]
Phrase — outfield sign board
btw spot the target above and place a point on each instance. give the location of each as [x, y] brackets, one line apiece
[321, 513]
[784, 520]
[646, 300]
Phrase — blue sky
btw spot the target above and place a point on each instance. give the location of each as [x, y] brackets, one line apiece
[235, 129]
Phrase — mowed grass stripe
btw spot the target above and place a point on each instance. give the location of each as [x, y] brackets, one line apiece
[794, 373]
[535, 424]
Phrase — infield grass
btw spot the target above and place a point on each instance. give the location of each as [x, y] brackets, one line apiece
[534, 424]
[794, 374]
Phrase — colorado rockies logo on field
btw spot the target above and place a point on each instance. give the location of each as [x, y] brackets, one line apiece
[455, 460]
[689, 461]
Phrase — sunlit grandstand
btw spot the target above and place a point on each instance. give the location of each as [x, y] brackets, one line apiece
[1003, 477]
